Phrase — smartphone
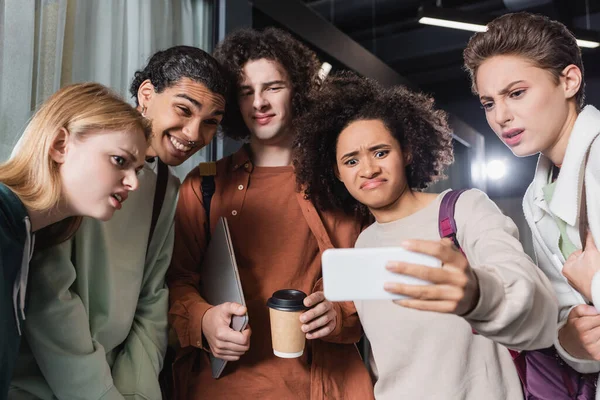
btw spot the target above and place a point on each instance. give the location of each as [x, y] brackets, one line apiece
[359, 274]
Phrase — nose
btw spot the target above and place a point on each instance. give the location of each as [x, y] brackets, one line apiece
[131, 180]
[502, 113]
[260, 101]
[370, 168]
[193, 131]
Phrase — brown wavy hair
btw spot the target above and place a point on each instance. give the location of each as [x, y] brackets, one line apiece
[420, 128]
[546, 43]
[237, 49]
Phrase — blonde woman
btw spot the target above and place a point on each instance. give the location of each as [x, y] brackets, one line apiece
[107, 283]
[79, 156]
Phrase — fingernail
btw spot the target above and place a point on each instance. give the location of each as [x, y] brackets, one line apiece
[388, 286]
[405, 243]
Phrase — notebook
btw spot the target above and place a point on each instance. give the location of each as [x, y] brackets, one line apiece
[221, 283]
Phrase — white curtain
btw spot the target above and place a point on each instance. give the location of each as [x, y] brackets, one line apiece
[46, 44]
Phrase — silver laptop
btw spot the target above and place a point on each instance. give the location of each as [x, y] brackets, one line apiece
[220, 281]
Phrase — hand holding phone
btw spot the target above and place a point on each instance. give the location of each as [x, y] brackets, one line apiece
[361, 273]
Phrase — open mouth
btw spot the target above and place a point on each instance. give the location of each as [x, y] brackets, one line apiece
[513, 137]
[117, 200]
[179, 144]
[513, 134]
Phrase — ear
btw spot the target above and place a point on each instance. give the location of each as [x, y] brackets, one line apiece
[58, 149]
[571, 80]
[145, 93]
[408, 158]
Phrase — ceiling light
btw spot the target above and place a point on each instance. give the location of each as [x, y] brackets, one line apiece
[496, 169]
[587, 43]
[465, 26]
[456, 19]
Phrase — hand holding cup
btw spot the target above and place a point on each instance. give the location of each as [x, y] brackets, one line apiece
[320, 320]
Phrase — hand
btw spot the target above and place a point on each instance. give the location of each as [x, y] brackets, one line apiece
[320, 320]
[580, 336]
[224, 342]
[454, 288]
[580, 267]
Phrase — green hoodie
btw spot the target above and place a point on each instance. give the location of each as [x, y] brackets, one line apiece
[15, 250]
[97, 309]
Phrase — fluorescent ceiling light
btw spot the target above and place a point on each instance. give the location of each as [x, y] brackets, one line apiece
[452, 24]
[465, 26]
[587, 43]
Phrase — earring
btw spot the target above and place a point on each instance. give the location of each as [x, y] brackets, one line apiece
[144, 111]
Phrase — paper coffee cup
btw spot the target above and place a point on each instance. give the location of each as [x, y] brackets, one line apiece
[285, 308]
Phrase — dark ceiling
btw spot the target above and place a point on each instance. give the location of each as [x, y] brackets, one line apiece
[431, 57]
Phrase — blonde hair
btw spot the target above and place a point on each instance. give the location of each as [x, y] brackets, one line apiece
[81, 109]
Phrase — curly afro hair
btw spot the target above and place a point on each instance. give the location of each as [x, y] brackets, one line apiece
[300, 63]
[165, 68]
[411, 118]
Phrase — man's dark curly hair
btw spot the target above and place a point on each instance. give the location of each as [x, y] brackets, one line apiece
[300, 63]
[165, 68]
[421, 130]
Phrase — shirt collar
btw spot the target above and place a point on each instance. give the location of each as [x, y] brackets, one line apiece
[241, 159]
[565, 202]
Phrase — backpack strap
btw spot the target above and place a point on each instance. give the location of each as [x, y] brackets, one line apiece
[446, 221]
[162, 177]
[207, 170]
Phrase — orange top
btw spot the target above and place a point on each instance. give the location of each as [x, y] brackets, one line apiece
[278, 238]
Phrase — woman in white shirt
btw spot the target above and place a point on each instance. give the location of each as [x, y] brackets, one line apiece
[528, 73]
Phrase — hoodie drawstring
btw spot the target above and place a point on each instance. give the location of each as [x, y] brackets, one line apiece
[20, 285]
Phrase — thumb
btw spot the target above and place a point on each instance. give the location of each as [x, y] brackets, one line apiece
[583, 310]
[236, 309]
[573, 256]
[589, 241]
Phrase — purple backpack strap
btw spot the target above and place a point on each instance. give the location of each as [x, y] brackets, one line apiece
[543, 374]
[446, 221]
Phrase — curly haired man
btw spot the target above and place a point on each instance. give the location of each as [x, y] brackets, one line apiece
[278, 237]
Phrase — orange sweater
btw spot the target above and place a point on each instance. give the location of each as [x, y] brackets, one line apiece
[278, 238]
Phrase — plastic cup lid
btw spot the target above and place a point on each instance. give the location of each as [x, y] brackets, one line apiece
[287, 300]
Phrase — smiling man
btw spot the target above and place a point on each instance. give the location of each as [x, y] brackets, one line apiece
[278, 237]
[97, 327]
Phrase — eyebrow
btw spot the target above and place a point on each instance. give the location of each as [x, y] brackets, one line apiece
[272, 83]
[130, 154]
[190, 99]
[265, 84]
[372, 148]
[503, 91]
[197, 104]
